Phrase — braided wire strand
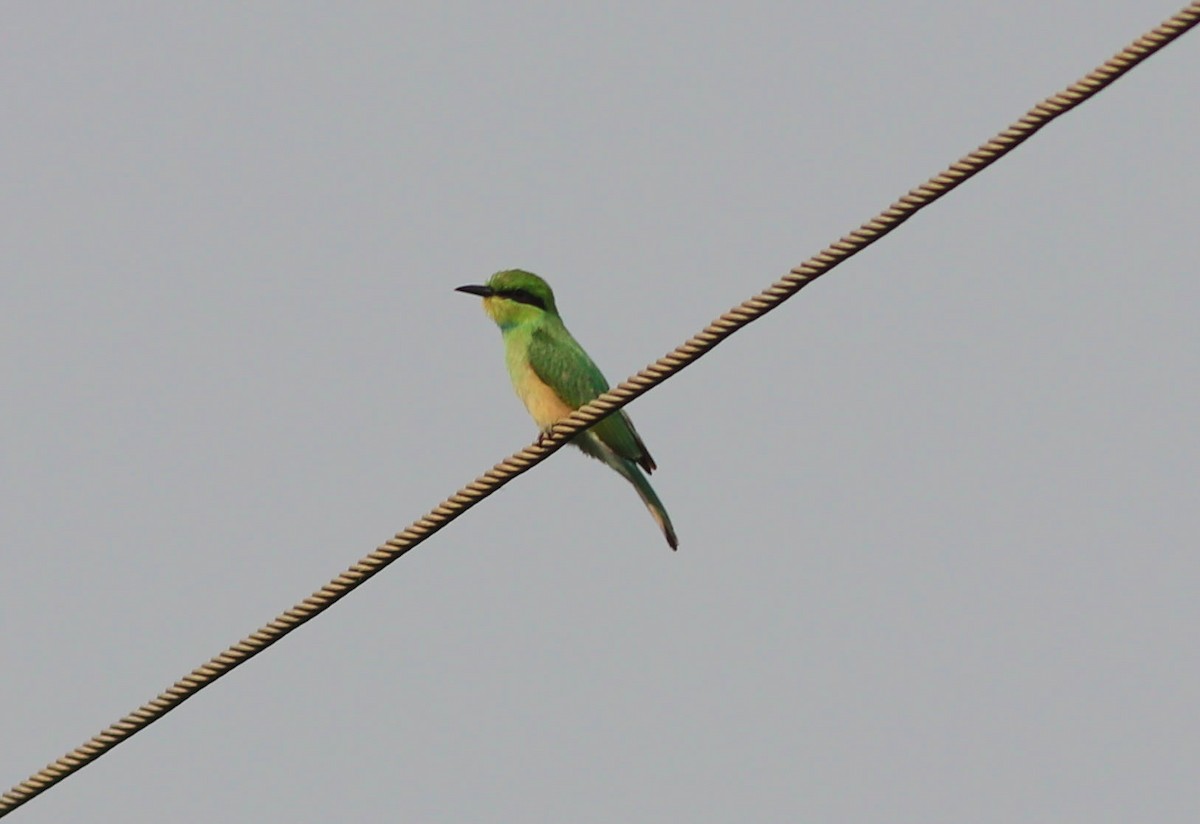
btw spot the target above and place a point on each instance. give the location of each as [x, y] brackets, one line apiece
[684, 355]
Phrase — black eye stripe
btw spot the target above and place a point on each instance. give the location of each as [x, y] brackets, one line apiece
[522, 296]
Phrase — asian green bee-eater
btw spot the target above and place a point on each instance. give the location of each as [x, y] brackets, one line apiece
[554, 376]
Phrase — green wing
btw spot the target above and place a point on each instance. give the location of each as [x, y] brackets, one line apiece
[562, 365]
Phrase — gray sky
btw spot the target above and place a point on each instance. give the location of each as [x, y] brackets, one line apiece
[938, 515]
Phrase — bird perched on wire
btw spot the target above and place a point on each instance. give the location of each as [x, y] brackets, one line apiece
[553, 376]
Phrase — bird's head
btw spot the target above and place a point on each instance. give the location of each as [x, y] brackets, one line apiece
[513, 297]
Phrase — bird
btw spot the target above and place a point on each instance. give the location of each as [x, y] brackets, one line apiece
[553, 376]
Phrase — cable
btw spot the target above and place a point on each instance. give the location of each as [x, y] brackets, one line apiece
[654, 374]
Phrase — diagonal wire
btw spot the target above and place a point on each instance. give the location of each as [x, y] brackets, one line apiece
[654, 374]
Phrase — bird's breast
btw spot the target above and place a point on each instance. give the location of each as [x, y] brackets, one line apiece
[543, 403]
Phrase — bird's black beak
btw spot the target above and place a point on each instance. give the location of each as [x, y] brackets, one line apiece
[482, 291]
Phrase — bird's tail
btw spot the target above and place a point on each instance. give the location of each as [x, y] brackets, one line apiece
[634, 475]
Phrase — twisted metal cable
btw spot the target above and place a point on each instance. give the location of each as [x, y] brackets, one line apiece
[654, 374]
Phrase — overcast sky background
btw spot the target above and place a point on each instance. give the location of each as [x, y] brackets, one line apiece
[938, 515]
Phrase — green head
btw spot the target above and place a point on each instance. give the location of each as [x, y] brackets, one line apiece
[514, 297]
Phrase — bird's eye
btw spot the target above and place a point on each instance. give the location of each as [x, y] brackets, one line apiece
[523, 296]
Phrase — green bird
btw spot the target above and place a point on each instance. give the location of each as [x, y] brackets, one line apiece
[553, 376]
